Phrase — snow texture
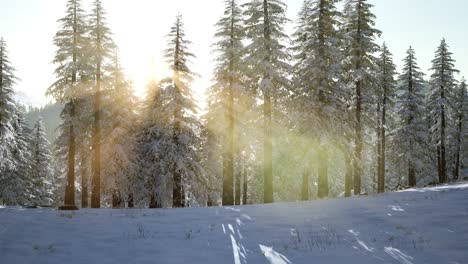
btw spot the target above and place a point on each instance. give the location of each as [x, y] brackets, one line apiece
[357, 230]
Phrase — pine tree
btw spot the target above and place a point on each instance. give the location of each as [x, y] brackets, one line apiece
[7, 110]
[212, 152]
[14, 136]
[441, 99]
[229, 50]
[411, 133]
[119, 159]
[41, 161]
[179, 108]
[385, 102]
[461, 133]
[151, 180]
[318, 79]
[21, 184]
[71, 55]
[360, 34]
[267, 64]
[102, 46]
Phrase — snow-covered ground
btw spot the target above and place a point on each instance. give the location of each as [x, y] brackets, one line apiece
[415, 226]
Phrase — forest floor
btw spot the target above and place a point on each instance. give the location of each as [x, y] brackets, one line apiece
[414, 226]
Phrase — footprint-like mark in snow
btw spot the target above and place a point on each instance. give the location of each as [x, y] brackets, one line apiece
[398, 255]
[246, 217]
[396, 208]
[363, 245]
[273, 256]
[235, 250]
[232, 209]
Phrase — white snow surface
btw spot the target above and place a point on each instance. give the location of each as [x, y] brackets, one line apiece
[414, 226]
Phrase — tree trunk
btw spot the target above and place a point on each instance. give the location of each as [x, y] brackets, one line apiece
[116, 200]
[96, 179]
[383, 145]
[267, 115]
[228, 179]
[439, 163]
[154, 202]
[348, 174]
[323, 173]
[70, 189]
[177, 193]
[244, 189]
[84, 176]
[443, 162]
[305, 185]
[357, 165]
[456, 172]
[209, 201]
[411, 174]
[379, 147]
[238, 187]
[130, 201]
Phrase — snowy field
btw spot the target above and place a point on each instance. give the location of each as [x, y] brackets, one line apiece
[414, 226]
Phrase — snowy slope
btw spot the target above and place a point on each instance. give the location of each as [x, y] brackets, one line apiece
[414, 226]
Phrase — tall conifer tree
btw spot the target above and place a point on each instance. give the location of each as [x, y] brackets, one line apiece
[179, 106]
[411, 133]
[360, 32]
[102, 46]
[229, 50]
[442, 93]
[7, 110]
[461, 133]
[318, 79]
[268, 69]
[386, 92]
[41, 162]
[72, 52]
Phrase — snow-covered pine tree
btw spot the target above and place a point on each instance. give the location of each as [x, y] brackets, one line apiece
[213, 159]
[227, 78]
[151, 180]
[461, 132]
[22, 186]
[119, 158]
[411, 132]
[72, 52]
[360, 33]
[318, 81]
[386, 94]
[441, 100]
[179, 110]
[7, 118]
[40, 162]
[60, 155]
[267, 64]
[102, 47]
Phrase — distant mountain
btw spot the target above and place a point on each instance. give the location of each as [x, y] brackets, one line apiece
[50, 115]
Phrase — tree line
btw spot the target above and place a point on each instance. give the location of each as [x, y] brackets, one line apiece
[321, 113]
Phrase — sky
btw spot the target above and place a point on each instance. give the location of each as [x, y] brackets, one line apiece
[140, 27]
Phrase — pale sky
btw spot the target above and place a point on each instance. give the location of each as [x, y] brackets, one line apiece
[140, 27]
